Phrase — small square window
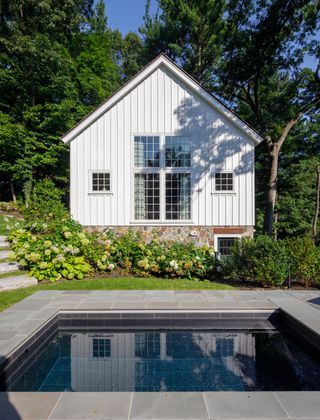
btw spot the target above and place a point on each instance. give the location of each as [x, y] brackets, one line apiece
[224, 181]
[224, 245]
[101, 182]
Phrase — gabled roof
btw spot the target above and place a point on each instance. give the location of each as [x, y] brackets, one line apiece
[162, 60]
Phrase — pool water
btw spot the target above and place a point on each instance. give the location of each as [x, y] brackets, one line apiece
[256, 360]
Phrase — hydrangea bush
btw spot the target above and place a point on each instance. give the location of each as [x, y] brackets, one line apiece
[75, 254]
[53, 246]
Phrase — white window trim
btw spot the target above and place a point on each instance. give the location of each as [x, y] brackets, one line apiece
[224, 235]
[162, 170]
[99, 171]
[213, 185]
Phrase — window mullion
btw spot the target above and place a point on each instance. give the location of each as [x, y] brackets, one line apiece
[162, 179]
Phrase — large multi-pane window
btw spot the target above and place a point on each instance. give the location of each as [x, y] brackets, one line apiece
[178, 196]
[178, 152]
[147, 196]
[162, 178]
[146, 151]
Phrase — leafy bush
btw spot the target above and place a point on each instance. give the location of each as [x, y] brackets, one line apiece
[8, 223]
[46, 213]
[171, 259]
[74, 254]
[304, 260]
[10, 205]
[261, 260]
[70, 255]
[54, 246]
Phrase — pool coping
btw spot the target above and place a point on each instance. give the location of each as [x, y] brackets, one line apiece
[25, 318]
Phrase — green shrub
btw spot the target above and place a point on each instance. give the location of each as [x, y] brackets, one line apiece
[10, 205]
[74, 254]
[240, 264]
[51, 257]
[170, 259]
[262, 260]
[270, 261]
[46, 213]
[304, 260]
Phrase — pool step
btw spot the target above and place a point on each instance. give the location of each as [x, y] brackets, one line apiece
[17, 282]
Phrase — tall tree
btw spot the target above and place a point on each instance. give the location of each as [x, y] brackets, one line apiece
[251, 53]
[56, 63]
[190, 32]
[262, 69]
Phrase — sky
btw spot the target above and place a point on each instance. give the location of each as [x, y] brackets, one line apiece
[126, 15]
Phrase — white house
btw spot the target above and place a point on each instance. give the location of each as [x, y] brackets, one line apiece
[164, 153]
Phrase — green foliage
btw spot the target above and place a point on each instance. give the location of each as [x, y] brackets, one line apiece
[190, 32]
[45, 212]
[252, 53]
[261, 260]
[58, 61]
[268, 262]
[170, 259]
[304, 260]
[298, 180]
[10, 206]
[7, 224]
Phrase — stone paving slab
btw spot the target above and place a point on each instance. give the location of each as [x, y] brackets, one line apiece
[17, 282]
[242, 405]
[300, 404]
[4, 244]
[8, 267]
[171, 405]
[159, 405]
[5, 254]
[92, 405]
[27, 405]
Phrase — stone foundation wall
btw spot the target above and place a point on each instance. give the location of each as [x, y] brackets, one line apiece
[199, 235]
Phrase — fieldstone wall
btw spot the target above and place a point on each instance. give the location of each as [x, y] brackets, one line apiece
[200, 235]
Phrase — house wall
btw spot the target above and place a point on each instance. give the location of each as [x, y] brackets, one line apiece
[199, 235]
[162, 104]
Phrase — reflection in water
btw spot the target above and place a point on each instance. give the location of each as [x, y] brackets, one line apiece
[172, 361]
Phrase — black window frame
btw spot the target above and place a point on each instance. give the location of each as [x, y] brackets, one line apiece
[224, 182]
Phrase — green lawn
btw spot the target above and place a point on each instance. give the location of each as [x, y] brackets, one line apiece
[121, 283]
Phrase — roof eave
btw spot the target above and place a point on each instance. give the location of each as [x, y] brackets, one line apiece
[143, 74]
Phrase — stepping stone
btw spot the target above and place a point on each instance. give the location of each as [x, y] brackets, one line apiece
[17, 282]
[3, 242]
[8, 267]
[4, 254]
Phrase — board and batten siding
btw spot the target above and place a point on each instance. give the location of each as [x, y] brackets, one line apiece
[162, 104]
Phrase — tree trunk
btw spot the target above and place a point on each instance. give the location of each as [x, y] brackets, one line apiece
[316, 213]
[271, 189]
[14, 197]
